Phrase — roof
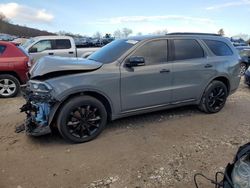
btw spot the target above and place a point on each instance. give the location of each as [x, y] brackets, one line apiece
[52, 37]
[172, 35]
[6, 43]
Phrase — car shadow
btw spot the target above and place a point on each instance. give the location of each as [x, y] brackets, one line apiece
[133, 122]
[142, 120]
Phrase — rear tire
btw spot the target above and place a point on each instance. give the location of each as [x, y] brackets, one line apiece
[81, 119]
[214, 97]
[9, 86]
[243, 68]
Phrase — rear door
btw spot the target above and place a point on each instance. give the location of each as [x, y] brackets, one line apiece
[64, 48]
[148, 85]
[191, 69]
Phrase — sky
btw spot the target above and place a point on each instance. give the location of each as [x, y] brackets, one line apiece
[86, 17]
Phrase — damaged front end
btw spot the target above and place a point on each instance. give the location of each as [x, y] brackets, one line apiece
[39, 103]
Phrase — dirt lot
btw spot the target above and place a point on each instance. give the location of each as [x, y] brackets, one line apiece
[163, 149]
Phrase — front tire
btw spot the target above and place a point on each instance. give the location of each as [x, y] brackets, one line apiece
[9, 86]
[214, 97]
[81, 119]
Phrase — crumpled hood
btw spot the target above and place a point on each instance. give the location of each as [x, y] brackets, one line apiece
[49, 64]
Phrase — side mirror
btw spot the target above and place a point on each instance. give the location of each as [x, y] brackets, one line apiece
[32, 50]
[135, 61]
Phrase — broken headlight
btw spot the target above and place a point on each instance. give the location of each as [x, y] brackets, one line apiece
[39, 87]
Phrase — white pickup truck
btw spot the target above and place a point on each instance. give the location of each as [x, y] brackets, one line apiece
[63, 46]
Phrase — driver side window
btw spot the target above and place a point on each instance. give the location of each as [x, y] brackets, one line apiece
[154, 52]
[43, 45]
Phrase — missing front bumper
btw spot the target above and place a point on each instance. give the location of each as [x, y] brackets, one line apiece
[37, 109]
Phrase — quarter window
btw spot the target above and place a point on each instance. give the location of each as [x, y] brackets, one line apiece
[154, 52]
[62, 44]
[219, 48]
[187, 49]
[2, 49]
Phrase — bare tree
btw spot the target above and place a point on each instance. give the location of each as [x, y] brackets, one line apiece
[97, 35]
[221, 32]
[161, 32]
[126, 32]
[117, 34]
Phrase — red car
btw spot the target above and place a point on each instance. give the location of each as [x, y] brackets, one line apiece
[14, 65]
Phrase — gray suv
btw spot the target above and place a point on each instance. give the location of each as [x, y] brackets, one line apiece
[128, 77]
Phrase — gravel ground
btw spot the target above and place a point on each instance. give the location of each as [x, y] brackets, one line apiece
[162, 149]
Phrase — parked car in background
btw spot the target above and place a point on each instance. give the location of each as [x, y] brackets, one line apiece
[129, 77]
[19, 41]
[83, 42]
[14, 65]
[244, 52]
[55, 46]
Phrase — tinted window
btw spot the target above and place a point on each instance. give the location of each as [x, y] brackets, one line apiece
[154, 52]
[219, 48]
[112, 51]
[62, 44]
[43, 45]
[2, 49]
[187, 49]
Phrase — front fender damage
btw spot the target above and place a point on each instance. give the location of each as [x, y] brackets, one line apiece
[38, 109]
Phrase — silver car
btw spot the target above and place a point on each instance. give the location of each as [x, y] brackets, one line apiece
[128, 77]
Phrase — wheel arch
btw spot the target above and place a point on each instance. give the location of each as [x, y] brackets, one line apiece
[12, 73]
[224, 80]
[99, 96]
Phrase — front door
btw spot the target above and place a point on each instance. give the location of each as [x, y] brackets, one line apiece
[148, 85]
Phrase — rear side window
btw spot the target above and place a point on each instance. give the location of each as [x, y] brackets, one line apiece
[187, 49]
[2, 49]
[62, 44]
[154, 52]
[219, 48]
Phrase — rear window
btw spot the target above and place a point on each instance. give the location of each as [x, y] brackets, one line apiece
[219, 48]
[62, 44]
[187, 49]
[2, 49]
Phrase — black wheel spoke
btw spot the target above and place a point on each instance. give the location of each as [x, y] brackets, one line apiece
[83, 121]
[74, 115]
[217, 98]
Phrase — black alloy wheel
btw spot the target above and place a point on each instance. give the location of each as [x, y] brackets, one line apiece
[217, 98]
[82, 119]
[214, 97]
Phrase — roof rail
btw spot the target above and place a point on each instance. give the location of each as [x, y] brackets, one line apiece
[185, 33]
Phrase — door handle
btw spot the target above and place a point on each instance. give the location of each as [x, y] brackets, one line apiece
[208, 66]
[71, 52]
[164, 71]
[51, 53]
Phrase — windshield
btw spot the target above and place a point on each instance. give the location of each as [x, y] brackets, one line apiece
[28, 42]
[112, 51]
